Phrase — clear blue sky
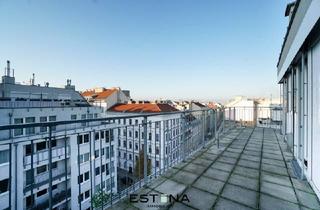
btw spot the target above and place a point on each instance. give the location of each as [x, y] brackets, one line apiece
[181, 49]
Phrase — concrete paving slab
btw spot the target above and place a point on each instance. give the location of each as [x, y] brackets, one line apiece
[241, 195]
[171, 187]
[194, 168]
[224, 204]
[307, 199]
[222, 166]
[210, 185]
[249, 164]
[217, 174]
[184, 177]
[275, 169]
[200, 199]
[277, 179]
[247, 172]
[279, 191]
[268, 202]
[245, 182]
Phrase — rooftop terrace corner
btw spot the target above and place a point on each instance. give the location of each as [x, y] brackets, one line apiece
[250, 170]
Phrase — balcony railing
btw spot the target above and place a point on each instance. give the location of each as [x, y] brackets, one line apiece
[42, 155]
[143, 157]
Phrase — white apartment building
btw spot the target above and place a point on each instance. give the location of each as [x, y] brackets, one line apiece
[299, 76]
[106, 97]
[83, 159]
[260, 112]
[163, 135]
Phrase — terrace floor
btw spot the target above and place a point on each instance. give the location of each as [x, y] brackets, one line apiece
[251, 170]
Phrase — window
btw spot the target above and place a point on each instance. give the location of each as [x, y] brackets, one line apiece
[30, 120]
[82, 139]
[86, 194]
[107, 153]
[4, 156]
[157, 150]
[29, 200]
[41, 192]
[18, 131]
[54, 187]
[136, 122]
[96, 153]
[90, 116]
[107, 136]
[95, 115]
[4, 186]
[103, 168]
[41, 145]
[83, 177]
[54, 165]
[150, 136]
[130, 121]
[107, 169]
[43, 120]
[130, 145]
[102, 134]
[157, 137]
[97, 171]
[136, 146]
[96, 136]
[53, 143]
[136, 134]
[73, 117]
[130, 134]
[41, 169]
[83, 117]
[28, 149]
[84, 158]
[52, 119]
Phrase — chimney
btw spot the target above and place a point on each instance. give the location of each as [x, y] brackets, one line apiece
[8, 68]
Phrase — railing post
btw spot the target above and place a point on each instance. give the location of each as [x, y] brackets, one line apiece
[203, 126]
[183, 136]
[50, 168]
[145, 149]
[234, 115]
[215, 127]
[223, 116]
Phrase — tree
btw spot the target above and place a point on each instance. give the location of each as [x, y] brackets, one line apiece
[139, 167]
[100, 198]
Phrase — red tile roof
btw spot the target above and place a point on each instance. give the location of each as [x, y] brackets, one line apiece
[147, 107]
[88, 93]
[98, 95]
[105, 94]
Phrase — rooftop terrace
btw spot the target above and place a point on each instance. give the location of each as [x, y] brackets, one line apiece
[250, 170]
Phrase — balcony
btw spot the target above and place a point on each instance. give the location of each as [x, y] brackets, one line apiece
[250, 170]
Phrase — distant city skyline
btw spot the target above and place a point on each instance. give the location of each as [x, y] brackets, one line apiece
[203, 50]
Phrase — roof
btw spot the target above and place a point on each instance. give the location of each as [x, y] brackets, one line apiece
[88, 93]
[199, 104]
[146, 107]
[105, 94]
[98, 95]
[296, 5]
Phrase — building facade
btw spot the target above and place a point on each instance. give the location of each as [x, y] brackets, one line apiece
[70, 164]
[299, 76]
